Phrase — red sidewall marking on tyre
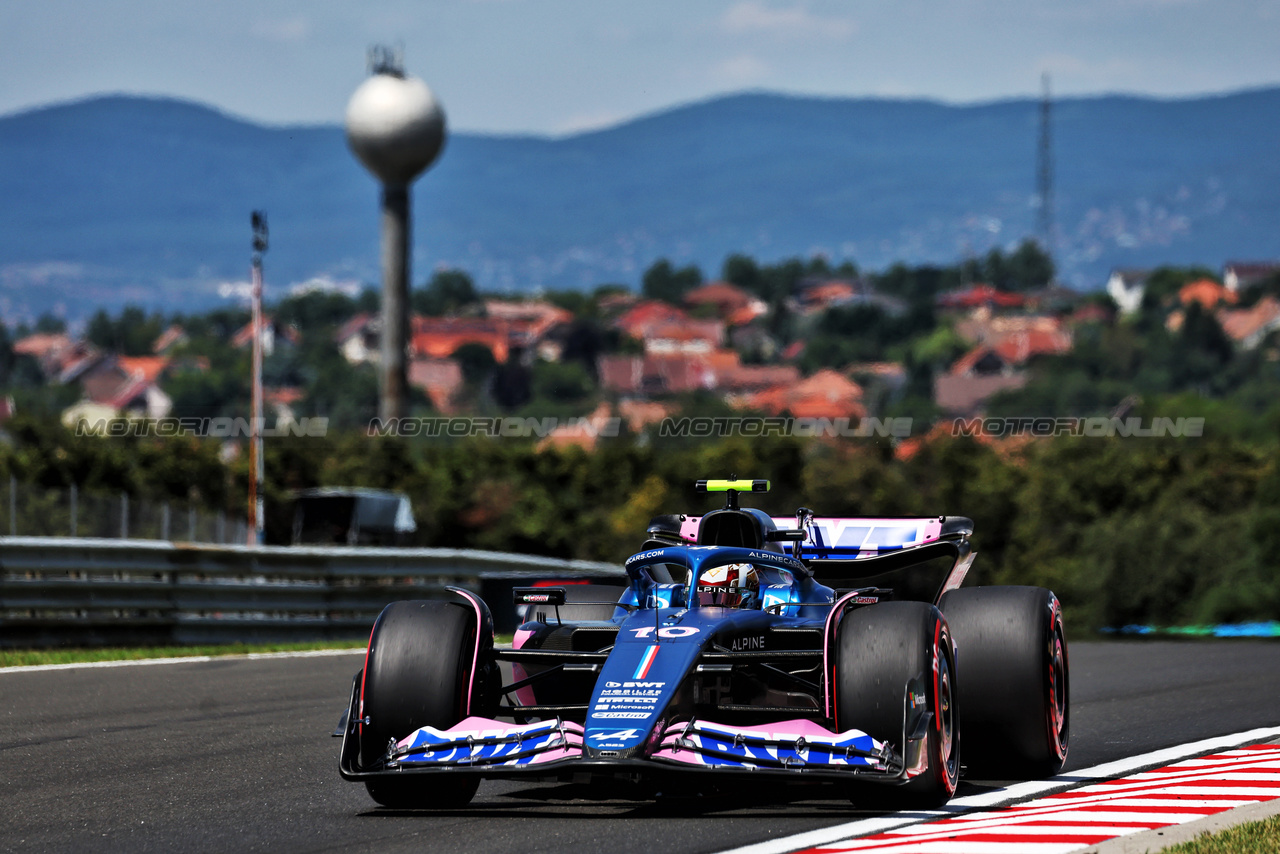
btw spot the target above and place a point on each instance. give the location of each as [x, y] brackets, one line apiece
[364, 674]
[938, 652]
[1159, 798]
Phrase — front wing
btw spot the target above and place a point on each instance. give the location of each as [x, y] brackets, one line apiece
[554, 748]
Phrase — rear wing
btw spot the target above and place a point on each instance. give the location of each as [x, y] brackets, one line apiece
[858, 538]
[851, 547]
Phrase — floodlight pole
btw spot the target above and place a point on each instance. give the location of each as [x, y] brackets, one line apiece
[259, 221]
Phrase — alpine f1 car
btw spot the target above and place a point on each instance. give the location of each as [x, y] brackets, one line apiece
[743, 645]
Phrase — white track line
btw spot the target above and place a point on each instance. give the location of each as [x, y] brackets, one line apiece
[188, 659]
[1012, 794]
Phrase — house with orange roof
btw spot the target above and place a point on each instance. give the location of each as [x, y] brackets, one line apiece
[440, 379]
[732, 304]
[172, 337]
[1248, 327]
[282, 399]
[67, 366]
[529, 321]
[584, 432]
[272, 334]
[54, 352]
[684, 337]
[1207, 292]
[42, 345]
[641, 319]
[743, 379]
[121, 387]
[979, 374]
[817, 295]
[982, 325]
[825, 394]
[639, 414]
[440, 337]
[1019, 347]
[980, 295]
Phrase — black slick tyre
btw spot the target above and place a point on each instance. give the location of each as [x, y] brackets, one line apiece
[880, 648]
[1014, 680]
[417, 673]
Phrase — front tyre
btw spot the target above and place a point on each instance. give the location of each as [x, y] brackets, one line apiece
[1016, 680]
[418, 672]
[880, 649]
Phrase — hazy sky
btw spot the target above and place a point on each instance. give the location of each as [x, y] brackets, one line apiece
[555, 66]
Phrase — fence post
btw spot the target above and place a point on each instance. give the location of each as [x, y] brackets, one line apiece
[124, 515]
[13, 506]
[75, 495]
[191, 523]
[164, 521]
[220, 530]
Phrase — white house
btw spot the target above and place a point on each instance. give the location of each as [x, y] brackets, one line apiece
[1126, 287]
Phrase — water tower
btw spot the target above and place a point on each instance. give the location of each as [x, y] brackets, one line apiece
[396, 128]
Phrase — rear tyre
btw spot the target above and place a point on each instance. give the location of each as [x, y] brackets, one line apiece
[880, 648]
[1014, 678]
[417, 673]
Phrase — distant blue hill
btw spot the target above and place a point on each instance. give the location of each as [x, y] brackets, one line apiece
[119, 199]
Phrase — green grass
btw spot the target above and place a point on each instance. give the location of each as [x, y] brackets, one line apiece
[27, 657]
[1256, 837]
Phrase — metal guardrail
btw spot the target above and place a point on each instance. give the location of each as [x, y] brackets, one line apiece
[98, 591]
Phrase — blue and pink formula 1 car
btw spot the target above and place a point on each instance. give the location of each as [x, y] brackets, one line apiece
[818, 649]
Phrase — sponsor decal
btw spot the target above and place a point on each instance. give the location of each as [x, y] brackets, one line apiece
[614, 735]
[645, 556]
[630, 685]
[865, 600]
[783, 559]
[917, 700]
[666, 632]
[646, 662]
[627, 715]
[747, 643]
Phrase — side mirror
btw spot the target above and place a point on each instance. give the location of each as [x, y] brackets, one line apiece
[786, 535]
[539, 596]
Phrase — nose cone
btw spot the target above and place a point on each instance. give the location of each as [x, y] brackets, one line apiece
[395, 127]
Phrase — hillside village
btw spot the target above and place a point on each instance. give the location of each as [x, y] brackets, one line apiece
[829, 344]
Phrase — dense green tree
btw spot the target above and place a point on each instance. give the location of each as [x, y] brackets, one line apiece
[477, 363]
[313, 309]
[448, 292]
[1028, 267]
[664, 282]
[131, 334]
[561, 382]
[48, 323]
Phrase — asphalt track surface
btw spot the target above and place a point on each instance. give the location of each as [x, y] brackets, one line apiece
[235, 755]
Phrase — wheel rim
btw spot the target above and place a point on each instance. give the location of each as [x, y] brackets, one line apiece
[946, 714]
[1057, 704]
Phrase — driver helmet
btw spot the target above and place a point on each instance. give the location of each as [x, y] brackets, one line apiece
[731, 586]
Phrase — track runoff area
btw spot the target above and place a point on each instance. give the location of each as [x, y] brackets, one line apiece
[1072, 812]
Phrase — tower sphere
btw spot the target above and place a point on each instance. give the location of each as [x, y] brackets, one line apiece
[395, 126]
